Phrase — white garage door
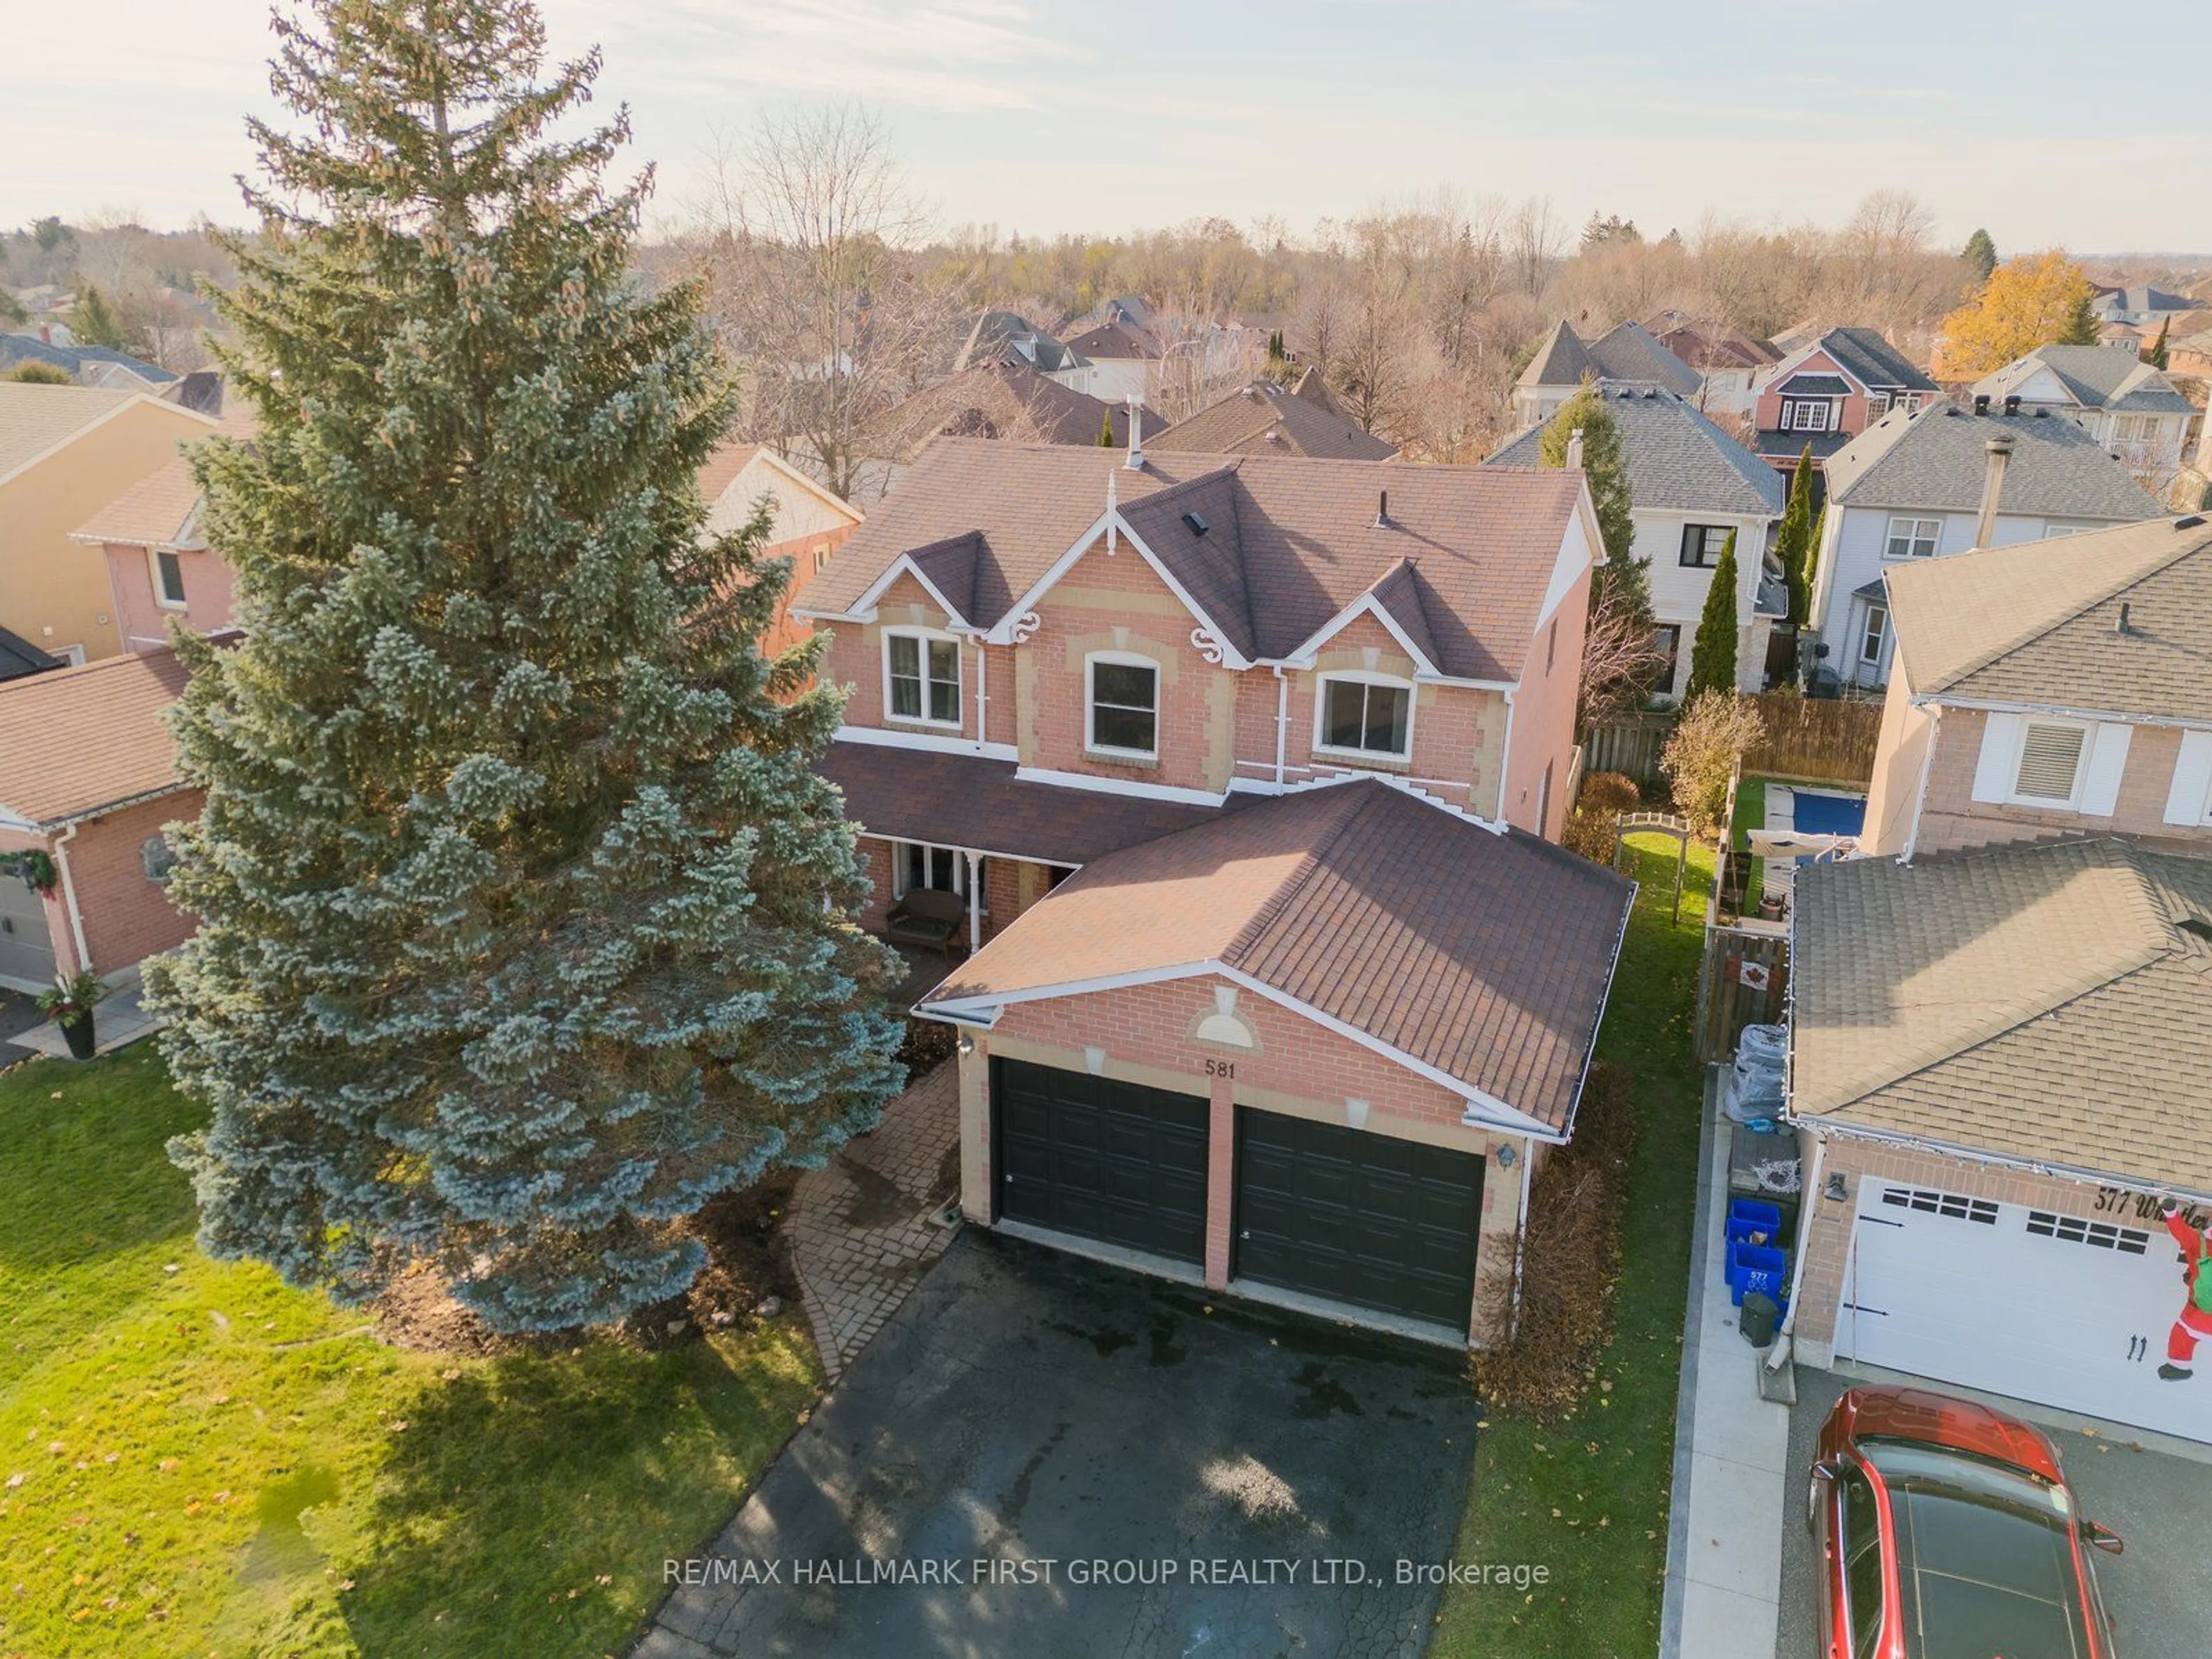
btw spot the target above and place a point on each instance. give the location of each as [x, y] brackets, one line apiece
[2024, 1302]
[27, 955]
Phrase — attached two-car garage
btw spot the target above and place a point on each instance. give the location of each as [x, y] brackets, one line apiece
[1345, 1215]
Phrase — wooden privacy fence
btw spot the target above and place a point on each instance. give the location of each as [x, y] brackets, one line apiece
[1629, 744]
[1826, 740]
[1743, 981]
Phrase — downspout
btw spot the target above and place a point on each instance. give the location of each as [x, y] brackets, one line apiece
[1504, 757]
[1811, 1188]
[69, 896]
[1282, 723]
[1521, 1227]
[983, 694]
[1920, 800]
[975, 902]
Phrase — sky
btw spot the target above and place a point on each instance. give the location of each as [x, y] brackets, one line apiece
[1043, 116]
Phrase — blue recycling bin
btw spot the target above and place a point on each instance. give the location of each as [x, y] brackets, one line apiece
[1754, 1267]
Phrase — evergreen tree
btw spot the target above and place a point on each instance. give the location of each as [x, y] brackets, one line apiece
[1713, 649]
[2156, 356]
[1622, 579]
[525, 920]
[1794, 538]
[1106, 428]
[2081, 327]
[94, 321]
[1980, 255]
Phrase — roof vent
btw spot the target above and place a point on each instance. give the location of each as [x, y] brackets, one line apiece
[2197, 925]
[1382, 511]
[2189, 522]
[2042, 414]
[1981, 402]
[1197, 523]
[2012, 402]
[2120, 625]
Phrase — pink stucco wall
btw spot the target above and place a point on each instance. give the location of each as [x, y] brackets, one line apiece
[210, 594]
[1854, 415]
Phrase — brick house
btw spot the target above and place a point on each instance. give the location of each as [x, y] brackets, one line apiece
[2000, 1020]
[2051, 690]
[88, 777]
[1244, 770]
[1996, 1066]
[1827, 390]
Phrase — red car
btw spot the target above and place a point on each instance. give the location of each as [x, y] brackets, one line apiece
[1948, 1531]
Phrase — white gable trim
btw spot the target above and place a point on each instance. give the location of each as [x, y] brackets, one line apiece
[828, 497]
[1483, 1107]
[1366, 605]
[864, 608]
[1110, 520]
[1567, 568]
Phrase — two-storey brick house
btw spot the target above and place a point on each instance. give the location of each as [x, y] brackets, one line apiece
[1247, 769]
[2002, 1019]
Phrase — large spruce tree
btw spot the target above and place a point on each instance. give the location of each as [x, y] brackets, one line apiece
[1794, 538]
[525, 921]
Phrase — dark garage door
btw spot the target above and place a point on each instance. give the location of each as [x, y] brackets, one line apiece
[1358, 1218]
[1110, 1161]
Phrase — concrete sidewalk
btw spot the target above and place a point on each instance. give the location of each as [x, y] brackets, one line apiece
[119, 1021]
[1731, 1452]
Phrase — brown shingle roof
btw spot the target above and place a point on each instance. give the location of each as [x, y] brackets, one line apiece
[2049, 1004]
[152, 513]
[2039, 622]
[1298, 536]
[967, 800]
[721, 470]
[80, 740]
[34, 418]
[1484, 956]
[1010, 401]
[1267, 419]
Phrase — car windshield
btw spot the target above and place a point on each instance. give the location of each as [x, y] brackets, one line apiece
[1985, 1556]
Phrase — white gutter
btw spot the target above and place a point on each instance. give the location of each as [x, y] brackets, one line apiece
[69, 897]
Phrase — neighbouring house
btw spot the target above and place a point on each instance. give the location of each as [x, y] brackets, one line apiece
[1006, 400]
[89, 790]
[1265, 418]
[1238, 777]
[1826, 390]
[2141, 308]
[1006, 336]
[1691, 487]
[2129, 407]
[2056, 689]
[161, 571]
[92, 365]
[1996, 1068]
[65, 453]
[2191, 353]
[1942, 480]
[1625, 355]
[1123, 352]
[1726, 360]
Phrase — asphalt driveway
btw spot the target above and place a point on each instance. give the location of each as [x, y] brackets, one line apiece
[2160, 1593]
[1138, 1470]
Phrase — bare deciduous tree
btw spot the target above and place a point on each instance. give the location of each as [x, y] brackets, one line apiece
[808, 242]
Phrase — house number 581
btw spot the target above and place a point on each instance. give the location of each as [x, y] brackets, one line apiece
[1221, 1068]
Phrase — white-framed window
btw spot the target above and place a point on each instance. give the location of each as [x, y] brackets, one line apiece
[1122, 701]
[1874, 635]
[917, 863]
[1805, 415]
[1913, 538]
[2052, 530]
[2136, 428]
[1365, 714]
[1667, 641]
[1877, 405]
[2053, 755]
[922, 677]
[168, 572]
[71, 654]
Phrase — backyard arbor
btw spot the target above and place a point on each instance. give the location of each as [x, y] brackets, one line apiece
[524, 915]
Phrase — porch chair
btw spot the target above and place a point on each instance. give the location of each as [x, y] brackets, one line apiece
[928, 916]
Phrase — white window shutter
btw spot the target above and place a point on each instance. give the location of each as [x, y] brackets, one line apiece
[2192, 779]
[2108, 758]
[2000, 754]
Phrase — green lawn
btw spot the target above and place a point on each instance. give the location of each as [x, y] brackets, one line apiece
[1750, 814]
[1589, 1499]
[195, 1460]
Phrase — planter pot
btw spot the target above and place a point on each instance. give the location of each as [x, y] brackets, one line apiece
[78, 1034]
[1771, 908]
